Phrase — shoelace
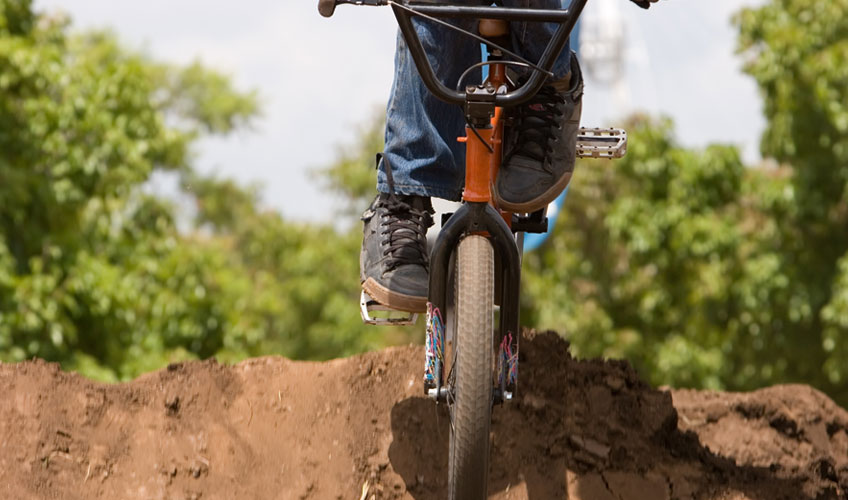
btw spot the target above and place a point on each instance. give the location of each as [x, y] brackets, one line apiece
[535, 125]
[405, 229]
[405, 233]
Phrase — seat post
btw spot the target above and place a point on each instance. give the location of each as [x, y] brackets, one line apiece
[493, 28]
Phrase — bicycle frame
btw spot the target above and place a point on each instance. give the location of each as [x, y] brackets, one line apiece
[483, 106]
[479, 215]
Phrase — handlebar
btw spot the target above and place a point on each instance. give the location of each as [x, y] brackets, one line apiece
[327, 7]
[404, 10]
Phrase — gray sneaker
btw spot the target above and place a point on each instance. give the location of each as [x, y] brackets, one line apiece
[541, 147]
[393, 263]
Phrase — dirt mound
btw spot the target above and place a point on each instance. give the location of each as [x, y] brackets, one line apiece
[271, 428]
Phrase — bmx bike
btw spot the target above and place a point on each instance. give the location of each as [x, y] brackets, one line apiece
[475, 263]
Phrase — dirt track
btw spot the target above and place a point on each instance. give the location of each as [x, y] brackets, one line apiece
[271, 428]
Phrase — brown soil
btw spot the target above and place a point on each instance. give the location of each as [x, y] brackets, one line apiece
[271, 428]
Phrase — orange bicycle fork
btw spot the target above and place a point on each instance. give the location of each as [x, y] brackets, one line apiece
[478, 215]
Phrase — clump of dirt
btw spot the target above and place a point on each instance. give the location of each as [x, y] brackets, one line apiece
[360, 428]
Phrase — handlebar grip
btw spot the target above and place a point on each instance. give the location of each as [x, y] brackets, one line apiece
[326, 7]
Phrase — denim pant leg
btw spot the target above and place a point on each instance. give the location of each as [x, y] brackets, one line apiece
[529, 40]
[421, 131]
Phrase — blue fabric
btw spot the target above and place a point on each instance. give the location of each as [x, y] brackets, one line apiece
[422, 131]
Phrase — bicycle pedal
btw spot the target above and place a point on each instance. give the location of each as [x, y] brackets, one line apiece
[386, 315]
[601, 143]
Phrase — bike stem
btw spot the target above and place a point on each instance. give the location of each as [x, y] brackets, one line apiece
[566, 19]
[479, 142]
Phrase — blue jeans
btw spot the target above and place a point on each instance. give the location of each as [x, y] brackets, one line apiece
[422, 131]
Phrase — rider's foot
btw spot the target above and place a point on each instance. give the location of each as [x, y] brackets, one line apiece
[541, 146]
[393, 263]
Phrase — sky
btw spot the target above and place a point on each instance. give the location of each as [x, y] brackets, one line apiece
[319, 80]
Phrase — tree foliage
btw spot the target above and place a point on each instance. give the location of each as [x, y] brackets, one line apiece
[706, 273]
[93, 270]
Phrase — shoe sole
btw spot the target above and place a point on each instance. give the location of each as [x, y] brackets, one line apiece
[536, 203]
[394, 300]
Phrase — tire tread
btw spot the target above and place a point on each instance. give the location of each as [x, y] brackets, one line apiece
[472, 408]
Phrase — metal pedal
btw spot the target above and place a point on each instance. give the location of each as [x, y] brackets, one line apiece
[601, 143]
[367, 305]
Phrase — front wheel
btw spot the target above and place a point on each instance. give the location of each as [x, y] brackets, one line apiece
[471, 374]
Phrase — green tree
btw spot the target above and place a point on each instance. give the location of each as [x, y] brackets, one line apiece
[86, 258]
[798, 53]
[705, 273]
[93, 270]
[644, 256]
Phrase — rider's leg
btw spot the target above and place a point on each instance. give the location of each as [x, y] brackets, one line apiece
[530, 39]
[421, 130]
[425, 158]
[422, 158]
[540, 150]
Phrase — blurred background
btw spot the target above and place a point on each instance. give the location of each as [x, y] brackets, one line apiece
[180, 181]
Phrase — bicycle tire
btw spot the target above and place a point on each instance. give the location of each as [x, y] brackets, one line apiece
[471, 408]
